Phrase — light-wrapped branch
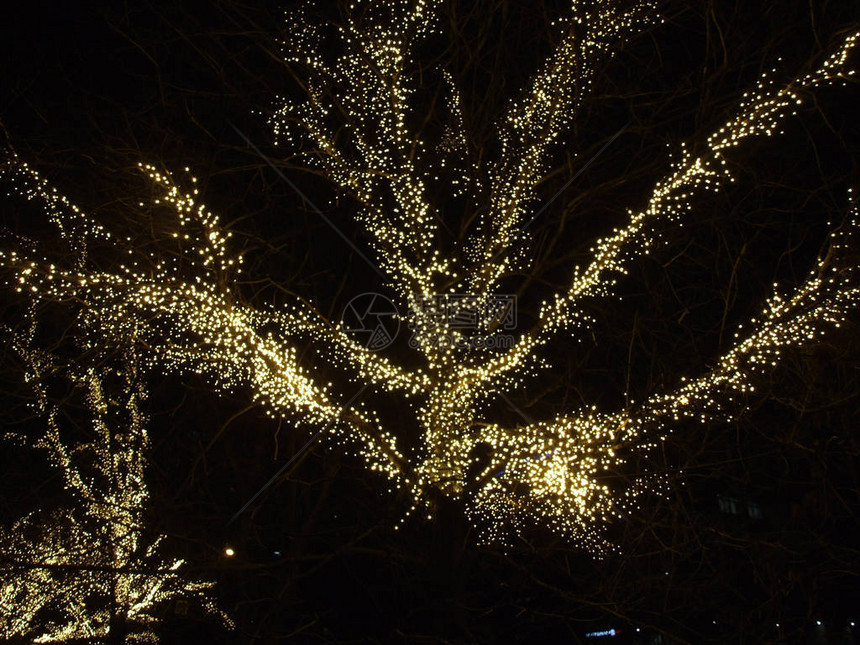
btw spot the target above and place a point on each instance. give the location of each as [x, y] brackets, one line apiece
[595, 29]
[356, 114]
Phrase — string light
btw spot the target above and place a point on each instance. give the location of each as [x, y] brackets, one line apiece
[187, 315]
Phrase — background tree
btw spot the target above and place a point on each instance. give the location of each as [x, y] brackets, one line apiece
[89, 570]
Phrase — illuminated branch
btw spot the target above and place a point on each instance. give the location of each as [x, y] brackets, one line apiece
[368, 89]
[536, 121]
[815, 308]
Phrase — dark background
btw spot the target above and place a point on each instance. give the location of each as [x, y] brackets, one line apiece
[90, 91]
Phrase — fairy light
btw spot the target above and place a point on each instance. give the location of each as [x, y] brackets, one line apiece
[186, 315]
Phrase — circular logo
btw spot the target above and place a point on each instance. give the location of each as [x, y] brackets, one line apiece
[372, 319]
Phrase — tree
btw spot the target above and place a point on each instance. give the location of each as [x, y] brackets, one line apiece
[90, 571]
[360, 120]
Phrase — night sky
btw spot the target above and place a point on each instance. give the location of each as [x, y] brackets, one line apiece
[88, 92]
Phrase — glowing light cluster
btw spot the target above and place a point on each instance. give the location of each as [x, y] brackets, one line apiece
[180, 310]
[80, 571]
